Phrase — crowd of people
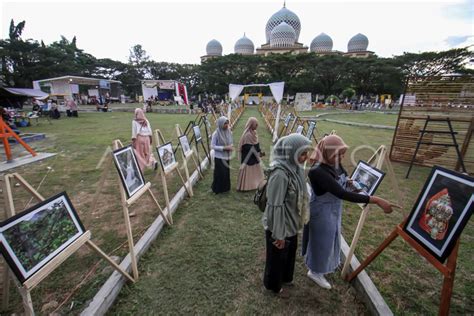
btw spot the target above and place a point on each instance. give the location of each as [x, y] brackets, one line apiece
[290, 207]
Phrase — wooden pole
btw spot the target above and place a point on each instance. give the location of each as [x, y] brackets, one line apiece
[380, 156]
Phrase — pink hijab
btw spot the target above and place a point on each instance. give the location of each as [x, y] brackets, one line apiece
[249, 136]
[327, 148]
[140, 117]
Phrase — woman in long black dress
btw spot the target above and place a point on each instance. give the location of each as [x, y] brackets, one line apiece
[222, 144]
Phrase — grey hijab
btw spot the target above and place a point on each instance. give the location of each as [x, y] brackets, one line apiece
[285, 156]
[224, 137]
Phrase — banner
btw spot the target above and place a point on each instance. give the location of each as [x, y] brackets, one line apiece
[303, 101]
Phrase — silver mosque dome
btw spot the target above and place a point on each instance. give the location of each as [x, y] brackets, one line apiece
[284, 15]
[283, 35]
[244, 46]
[321, 44]
[358, 43]
[214, 48]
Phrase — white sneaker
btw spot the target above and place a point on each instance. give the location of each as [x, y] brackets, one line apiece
[319, 279]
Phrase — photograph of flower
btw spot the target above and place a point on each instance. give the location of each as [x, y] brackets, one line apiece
[127, 166]
[166, 154]
[441, 211]
[365, 178]
[183, 140]
[30, 239]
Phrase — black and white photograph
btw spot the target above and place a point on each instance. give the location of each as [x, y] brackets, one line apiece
[197, 133]
[127, 166]
[299, 129]
[166, 154]
[183, 141]
[30, 239]
[365, 178]
[311, 126]
[287, 120]
[441, 211]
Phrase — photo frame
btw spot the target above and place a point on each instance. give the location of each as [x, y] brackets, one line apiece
[311, 126]
[287, 120]
[366, 179]
[166, 155]
[184, 142]
[441, 211]
[299, 129]
[197, 133]
[129, 170]
[32, 238]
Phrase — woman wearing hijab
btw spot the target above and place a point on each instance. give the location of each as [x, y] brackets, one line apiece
[250, 173]
[322, 235]
[222, 144]
[141, 140]
[286, 210]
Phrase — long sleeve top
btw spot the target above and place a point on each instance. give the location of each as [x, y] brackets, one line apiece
[219, 151]
[138, 129]
[323, 178]
[281, 215]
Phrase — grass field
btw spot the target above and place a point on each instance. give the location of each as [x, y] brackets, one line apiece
[366, 118]
[211, 260]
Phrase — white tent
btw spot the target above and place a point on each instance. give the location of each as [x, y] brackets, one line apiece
[277, 91]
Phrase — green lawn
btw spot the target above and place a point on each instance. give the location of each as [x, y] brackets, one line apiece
[211, 260]
[366, 118]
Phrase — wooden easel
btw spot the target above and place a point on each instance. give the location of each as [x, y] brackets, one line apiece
[159, 139]
[447, 270]
[377, 160]
[179, 132]
[5, 133]
[28, 285]
[126, 203]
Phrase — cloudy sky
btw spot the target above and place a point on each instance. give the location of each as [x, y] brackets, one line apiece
[178, 31]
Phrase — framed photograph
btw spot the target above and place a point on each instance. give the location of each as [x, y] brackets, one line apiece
[299, 129]
[183, 141]
[30, 239]
[311, 126]
[441, 211]
[287, 120]
[366, 179]
[166, 154]
[197, 133]
[129, 171]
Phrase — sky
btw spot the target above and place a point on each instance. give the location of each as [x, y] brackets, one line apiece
[178, 31]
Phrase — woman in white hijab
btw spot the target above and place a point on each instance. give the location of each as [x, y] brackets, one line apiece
[222, 144]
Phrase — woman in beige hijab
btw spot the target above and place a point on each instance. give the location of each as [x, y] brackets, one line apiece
[322, 235]
[250, 173]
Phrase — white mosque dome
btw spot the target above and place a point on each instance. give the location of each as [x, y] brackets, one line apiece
[321, 44]
[358, 43]
[283, 35]
[284, 15]
[244, 46]
[214, 48]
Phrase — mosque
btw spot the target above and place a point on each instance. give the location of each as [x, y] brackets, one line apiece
[282, 32]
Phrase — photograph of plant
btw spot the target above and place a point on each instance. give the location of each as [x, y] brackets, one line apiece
[32, 238]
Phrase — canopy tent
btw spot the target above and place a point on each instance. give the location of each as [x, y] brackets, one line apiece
[14, 97]
[277, 91]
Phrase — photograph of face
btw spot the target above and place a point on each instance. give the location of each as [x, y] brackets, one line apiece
[32, 238]
[183, 140]
[197, 133]
[441, 211]
[130, 173]
[166, 154]
[366, 178]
